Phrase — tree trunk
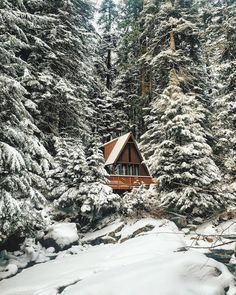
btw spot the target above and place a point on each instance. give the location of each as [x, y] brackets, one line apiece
[172, 41]
[109, 66]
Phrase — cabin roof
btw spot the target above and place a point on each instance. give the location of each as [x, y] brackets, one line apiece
[118, 148]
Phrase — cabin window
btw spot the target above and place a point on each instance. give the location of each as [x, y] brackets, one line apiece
[135, 170]
[120, 169]
[124, 169]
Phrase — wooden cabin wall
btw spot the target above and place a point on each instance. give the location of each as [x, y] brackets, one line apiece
[135, 158]
[143, 171]
[125, 157]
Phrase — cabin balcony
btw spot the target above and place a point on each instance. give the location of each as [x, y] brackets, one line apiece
[127, 182]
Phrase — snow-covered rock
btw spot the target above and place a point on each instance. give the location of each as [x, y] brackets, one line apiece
[61, 236]
[119, 231]
[8, 271]
[105, 235]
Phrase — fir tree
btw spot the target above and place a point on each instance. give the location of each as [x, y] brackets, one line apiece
[177, 141]
[182, 159]
[220, 51]
[46, 84]
[23, 162]
[127, 85]
[107, 23]
[79, 183]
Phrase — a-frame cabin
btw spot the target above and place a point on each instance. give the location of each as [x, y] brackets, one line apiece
[124, 164]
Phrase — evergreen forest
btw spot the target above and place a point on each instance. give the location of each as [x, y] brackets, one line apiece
[75, 74]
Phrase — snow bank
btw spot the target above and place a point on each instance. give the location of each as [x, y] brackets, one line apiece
[146, 264]
[178, 274]
[64, 234]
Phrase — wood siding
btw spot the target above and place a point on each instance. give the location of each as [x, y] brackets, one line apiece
[129, 155]
[124, 182]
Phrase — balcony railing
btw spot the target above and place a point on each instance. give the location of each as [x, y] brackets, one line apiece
[127, 182]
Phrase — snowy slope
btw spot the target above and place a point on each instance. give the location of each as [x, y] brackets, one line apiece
[147, 264]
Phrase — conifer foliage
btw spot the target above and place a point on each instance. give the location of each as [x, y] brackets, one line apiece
[182, 161]
[23, 158]
[178, 138]
[47, 87]
[79, 185]
[220, 51]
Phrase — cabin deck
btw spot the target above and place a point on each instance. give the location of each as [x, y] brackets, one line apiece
[127, 182]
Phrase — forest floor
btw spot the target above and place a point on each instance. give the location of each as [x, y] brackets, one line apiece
[133, 257]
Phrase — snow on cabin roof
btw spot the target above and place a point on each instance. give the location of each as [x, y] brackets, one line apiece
[121, 141]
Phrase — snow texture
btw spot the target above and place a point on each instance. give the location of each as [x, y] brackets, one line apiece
[145, 264]
[63, 234]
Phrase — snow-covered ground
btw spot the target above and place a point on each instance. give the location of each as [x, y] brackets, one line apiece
[145, 257]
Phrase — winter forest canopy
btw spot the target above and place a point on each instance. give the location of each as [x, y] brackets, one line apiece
[162, 69]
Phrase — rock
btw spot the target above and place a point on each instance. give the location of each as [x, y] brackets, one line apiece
[221, 255]
[109, 234]
[186, 230]
[9, 271]
[181, 222]
[146, 228]
[198, 220]
[50, 250]
[143, 229]
[192, 227]
[61, 236]
[108, 240]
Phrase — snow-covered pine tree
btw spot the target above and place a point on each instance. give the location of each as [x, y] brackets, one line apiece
[175, 45]
[178, 136]
[101, 201]
[107, 21]
[128, 83]
[70, 171]
[220, 50]
[79, 183]
[47, 64]
[182, 160]
[107, 108]
[60, 78]
[101, 101]
[23, 159]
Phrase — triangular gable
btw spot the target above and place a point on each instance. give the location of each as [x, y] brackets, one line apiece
[119, 147]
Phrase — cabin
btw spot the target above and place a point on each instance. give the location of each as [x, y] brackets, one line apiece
[125, 164]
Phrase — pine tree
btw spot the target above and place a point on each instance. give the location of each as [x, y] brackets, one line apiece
[183, 160]
[177, 141]
[137, 27]
[80, 189]
[23, 159]
[107, 22]
[220, 50]
[47, 87]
